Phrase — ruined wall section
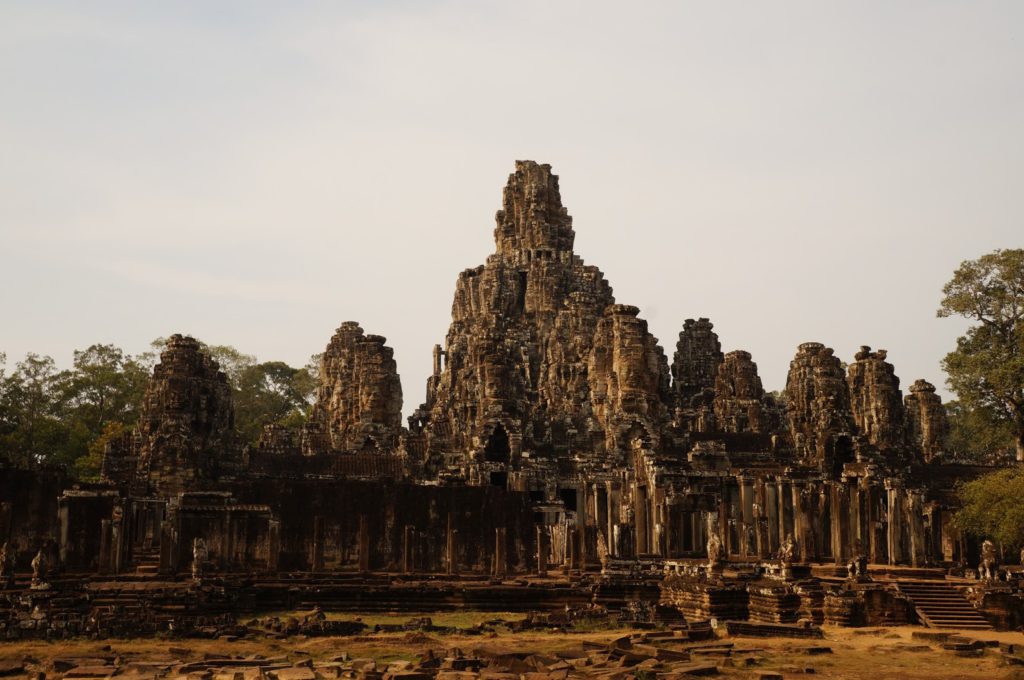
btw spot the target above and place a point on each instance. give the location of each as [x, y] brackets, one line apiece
[927, 425]
[876, 401]
[359, 400]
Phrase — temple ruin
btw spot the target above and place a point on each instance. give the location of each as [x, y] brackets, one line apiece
[556, 442]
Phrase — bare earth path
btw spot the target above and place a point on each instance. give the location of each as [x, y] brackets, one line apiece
[530, 655]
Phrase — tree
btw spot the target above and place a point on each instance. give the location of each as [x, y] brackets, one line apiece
[104, 387]
[268, 393]
[977, 437]
[986, 370]
[992, 508]
[30, 426]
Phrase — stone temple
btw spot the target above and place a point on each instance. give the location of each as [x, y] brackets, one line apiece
[559, 455]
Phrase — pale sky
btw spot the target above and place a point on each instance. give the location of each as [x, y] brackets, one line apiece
[255, 173]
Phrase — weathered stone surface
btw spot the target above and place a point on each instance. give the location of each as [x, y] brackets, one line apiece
[629, 379]
[926, 419]
[817, 402]
[875, 400]
[359, 400]
[551, 441]
[739, 397]
[696, 361]
[187, 420]
[524, 342]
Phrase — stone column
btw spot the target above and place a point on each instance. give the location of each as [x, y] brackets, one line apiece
[364, 544]
[915, 527]
[610, 515]
[640, 519]
[839, 528]
[746, 519]
[168, 547]
[542, 550]
[452, 548]
[408, 540]
[273, 546]
[671, 526]
[499, 553]
[582, 507]
[103, 565]
[894, 520]
[723, 524]
[773, 513]
[318, 543]
[856, 521]
[873, 522]
[797, 513]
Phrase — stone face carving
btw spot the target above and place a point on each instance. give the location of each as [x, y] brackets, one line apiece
[40, 570]
[818, 403]
[7, 559]
[695, 363]
[537, 358]
[714, 548]
[787, 551]
[988, 569]
[875, 399]
[739, 398]
[187, 420]
[926, 419]
[359, 400]
[200, 554]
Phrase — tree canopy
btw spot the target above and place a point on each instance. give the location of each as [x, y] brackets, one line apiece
[992, 508]
[65, 417]
[986, 370]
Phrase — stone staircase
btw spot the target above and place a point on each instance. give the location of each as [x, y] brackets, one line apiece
[146, 561]
[940, 605]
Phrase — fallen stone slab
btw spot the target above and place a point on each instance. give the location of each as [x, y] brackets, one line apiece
[694, 670]
[64, 664]
[400, 675]
[456, 675]
[293, 673]
[92, 672]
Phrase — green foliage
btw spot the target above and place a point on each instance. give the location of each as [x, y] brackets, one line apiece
[87, 468]
[51, 417]
[977, 437]
[30, 425]
[271, 392]
[986, 370]
[992, 507]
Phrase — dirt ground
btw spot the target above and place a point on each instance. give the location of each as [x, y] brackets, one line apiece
[843, 653]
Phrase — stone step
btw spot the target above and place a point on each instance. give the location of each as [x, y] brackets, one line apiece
[943, 606]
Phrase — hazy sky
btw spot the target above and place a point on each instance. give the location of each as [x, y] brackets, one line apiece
[256, 173]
